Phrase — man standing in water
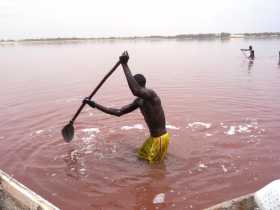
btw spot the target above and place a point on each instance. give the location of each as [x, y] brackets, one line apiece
[155, 147]
[252, 52]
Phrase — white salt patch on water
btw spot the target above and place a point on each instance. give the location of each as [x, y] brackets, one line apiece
[159, 198]
[202, 165]
[136, 126]
[54, 174]
[172, 127]
[199, 125]
[39, 131]
[231, 131]
[208, 134]
[91, 130]
[249, 127]
[243, 129]
[224, 168]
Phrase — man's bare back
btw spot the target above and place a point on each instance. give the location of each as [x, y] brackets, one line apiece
[153, 114]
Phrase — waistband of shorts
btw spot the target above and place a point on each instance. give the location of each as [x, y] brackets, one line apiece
[162, 136]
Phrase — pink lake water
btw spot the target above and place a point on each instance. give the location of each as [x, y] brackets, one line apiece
[222, 112]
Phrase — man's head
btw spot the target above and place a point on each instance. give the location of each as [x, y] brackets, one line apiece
[141, 80]
[250, 47]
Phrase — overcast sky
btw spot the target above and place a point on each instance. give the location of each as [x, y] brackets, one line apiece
[93, 18]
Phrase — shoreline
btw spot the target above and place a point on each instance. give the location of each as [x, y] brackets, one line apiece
[206, 36]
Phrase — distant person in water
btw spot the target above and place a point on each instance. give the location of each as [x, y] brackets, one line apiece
[279, 59]
[149, 103]
[252, 52]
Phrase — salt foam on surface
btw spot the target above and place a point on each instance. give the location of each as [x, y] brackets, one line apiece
[244, 128]
[172, 127]
[39, 131]
[136, 126]
[159, 198]
[91, 130]
[199, 125]
[202, 165]
[231, 131]
[224, 168]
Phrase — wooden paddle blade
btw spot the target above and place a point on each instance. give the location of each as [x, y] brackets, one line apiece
[68, 132]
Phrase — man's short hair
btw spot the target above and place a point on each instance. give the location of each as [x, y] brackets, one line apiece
[140, 79]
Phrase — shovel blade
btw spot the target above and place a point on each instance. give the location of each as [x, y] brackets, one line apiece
[68, 132]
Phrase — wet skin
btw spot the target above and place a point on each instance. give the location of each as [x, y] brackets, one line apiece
[147, 100]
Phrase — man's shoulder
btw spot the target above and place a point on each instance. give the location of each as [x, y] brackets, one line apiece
[151, 92]
[153, 96]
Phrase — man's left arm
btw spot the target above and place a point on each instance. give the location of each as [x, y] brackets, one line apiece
[113, 111]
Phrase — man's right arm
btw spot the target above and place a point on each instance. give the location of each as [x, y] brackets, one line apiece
[135, 88]
[113, 111]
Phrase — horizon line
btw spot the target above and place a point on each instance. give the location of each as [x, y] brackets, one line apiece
[177, 36]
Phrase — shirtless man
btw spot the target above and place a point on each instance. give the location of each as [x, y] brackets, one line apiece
[252, 52]
[149, 103]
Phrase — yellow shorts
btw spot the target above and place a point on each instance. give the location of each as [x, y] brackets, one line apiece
[154, 148]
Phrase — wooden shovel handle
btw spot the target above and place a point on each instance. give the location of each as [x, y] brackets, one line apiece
[95, 90]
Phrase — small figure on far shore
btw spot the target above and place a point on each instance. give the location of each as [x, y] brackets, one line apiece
[252, 52]
[279, 59]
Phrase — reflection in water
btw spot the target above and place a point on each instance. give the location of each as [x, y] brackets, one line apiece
[250, 65]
